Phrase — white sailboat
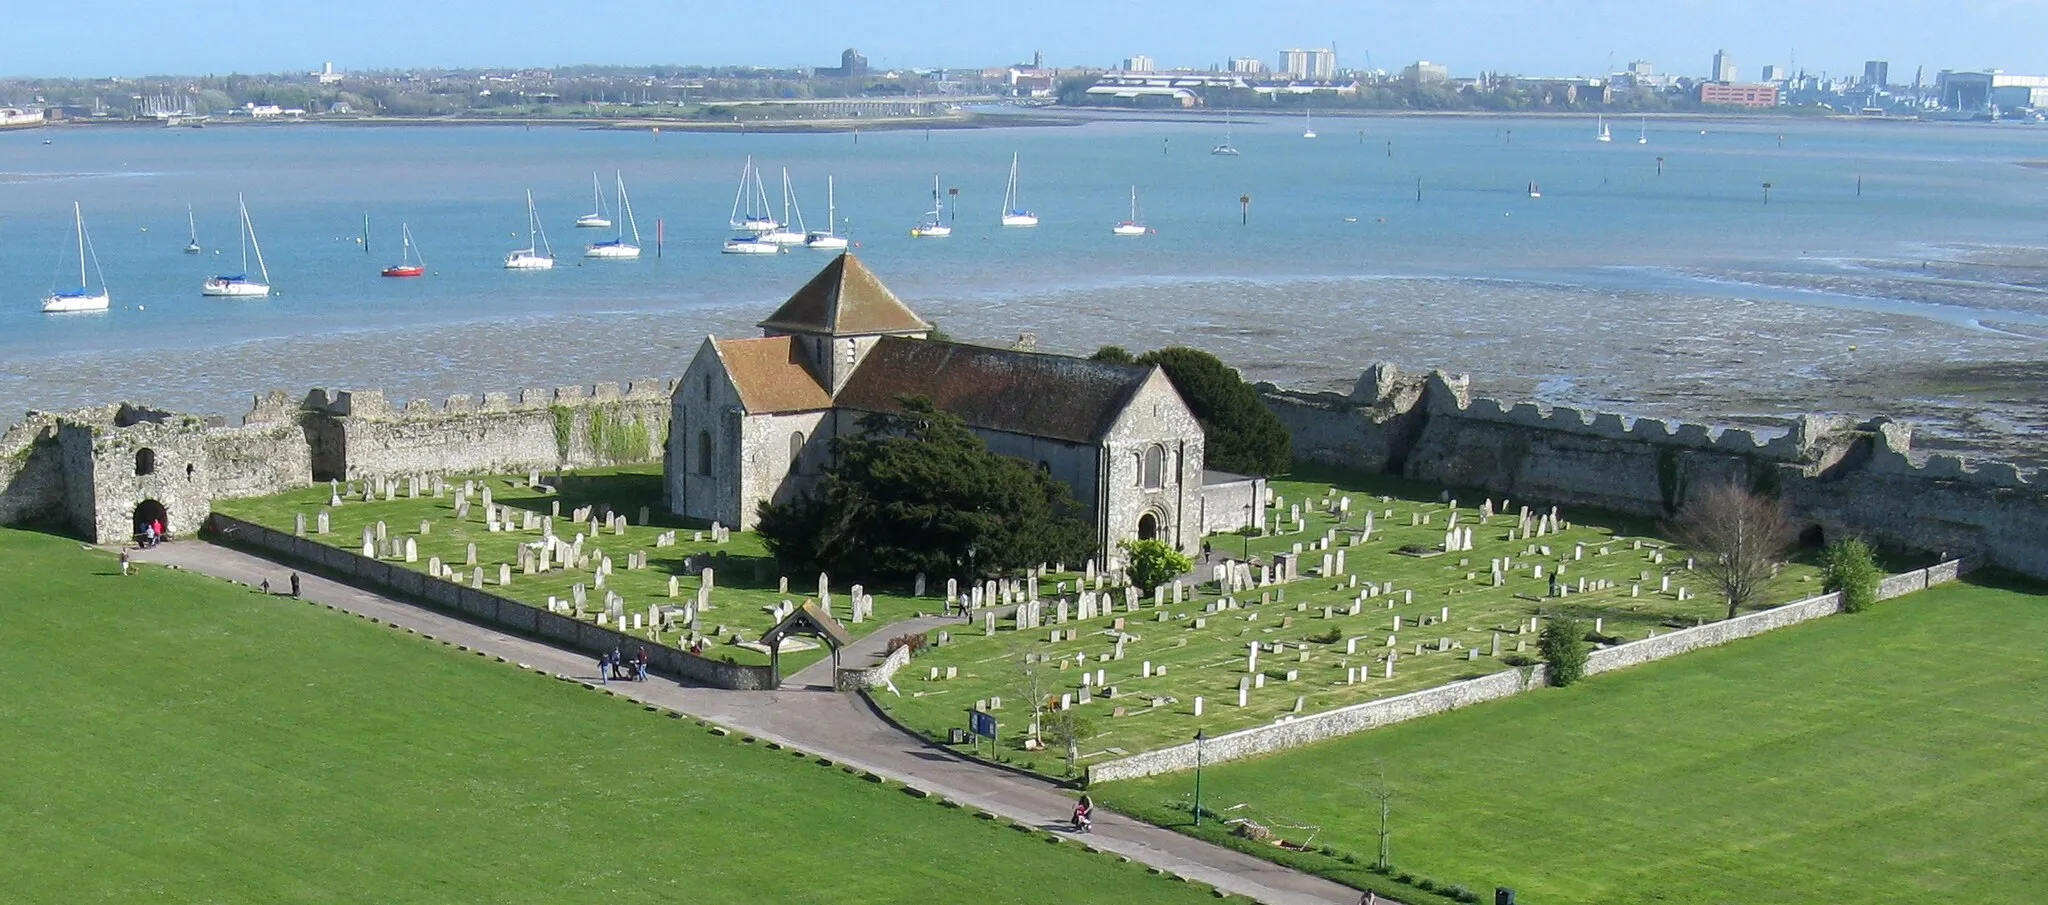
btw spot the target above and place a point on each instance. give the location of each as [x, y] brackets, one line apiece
[1643, 131]
[1133, 226]
[755, 198]
[1013, 215]
[239, 285]
[600, 216]
[783, 234]
[1308, 123]
[82, 298]
[827, 240]
[1604, 134]
[1226, 149]
[619, 248]
[933, 226]
[1535, 191]
[191, 232]
[537, 255]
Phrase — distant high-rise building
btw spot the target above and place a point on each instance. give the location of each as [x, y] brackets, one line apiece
[1319, 64]
[1248, 66]
[1876, 73]
[1139, 63]
[1641, 68]
[1775, 73]
[851, 65]
[1724, 67]
[1423, 72]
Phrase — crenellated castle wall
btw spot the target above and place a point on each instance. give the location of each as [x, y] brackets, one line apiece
[360, 433]
[1835, 474]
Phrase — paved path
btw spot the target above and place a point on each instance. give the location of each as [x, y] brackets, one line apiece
[838, 726]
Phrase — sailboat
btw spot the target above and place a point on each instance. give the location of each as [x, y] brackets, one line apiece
[1226, 149]
[1308, 123]
[600, 217]
[1604, 134]
[537, 255]
[755, 198]
[827, 240]
[1643, 132]
[783, 234]
[1133, 226]
[619, 248]
[1012, 214]
[192, 232]
[82, 298]
[239, 285]
[1535, 191]
[932, 226]
[410, 262]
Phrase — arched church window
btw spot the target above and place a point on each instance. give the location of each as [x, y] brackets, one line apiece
[703, 452]
[796, 452]
[1155, 467]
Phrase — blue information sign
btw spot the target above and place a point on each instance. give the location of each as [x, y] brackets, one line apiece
[982, 724]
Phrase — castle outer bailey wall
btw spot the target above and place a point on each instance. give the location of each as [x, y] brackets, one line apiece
[1835, 474]
[32, 473]
[359, 434]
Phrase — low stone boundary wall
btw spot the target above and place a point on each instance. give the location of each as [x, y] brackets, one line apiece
[491, 609]
[1303, 730]
[876, 676]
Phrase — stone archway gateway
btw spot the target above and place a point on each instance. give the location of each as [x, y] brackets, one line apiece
[1148, 527]
[148, 512]
[807, 619]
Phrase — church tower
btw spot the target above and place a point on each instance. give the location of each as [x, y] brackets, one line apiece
[837, 317]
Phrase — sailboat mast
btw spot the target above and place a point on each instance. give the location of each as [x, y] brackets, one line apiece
[78, 217]
[831, 207]
[244, 208]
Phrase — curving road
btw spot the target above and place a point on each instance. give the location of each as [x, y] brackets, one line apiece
[808, 716]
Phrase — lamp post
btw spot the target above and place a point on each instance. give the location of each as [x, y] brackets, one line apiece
[1200, 736]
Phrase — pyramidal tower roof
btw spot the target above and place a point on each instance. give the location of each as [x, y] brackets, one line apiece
[845, 299]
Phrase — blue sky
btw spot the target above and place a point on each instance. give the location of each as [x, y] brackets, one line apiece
[130, 37]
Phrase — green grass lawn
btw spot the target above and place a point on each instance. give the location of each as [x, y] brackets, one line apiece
[1205, 653]
[1897, 756]
[743, 591]
[172, 738]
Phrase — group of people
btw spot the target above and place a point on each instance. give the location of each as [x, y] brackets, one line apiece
[151, 533]
[614, 665]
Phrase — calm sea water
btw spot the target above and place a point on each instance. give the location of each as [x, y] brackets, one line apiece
[1620, 286]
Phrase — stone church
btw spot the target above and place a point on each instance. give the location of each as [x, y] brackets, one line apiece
[752, 420]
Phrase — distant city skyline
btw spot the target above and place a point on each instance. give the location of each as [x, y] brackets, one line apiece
[131, 38]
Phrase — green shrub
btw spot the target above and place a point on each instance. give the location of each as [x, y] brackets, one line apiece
[1426, 884]
[1460, 892]
[1562, 650]
[1850, 566]
[1329, 637]
[1517, 660]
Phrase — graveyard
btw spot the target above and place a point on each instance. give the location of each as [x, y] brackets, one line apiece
[189, 739]
[1359, 594]
[1891, 757]
[600, 548]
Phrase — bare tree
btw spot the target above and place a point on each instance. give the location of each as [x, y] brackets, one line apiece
[1737, 537]
[1385, 795]
[1031, 682]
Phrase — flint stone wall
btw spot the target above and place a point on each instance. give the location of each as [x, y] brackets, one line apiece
[490, 609]
[876, 676]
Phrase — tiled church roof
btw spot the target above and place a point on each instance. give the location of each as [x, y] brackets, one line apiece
[771, 375]
[1034, 394]
[845, 299]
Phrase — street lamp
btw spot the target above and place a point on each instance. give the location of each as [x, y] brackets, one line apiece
[1200, 736]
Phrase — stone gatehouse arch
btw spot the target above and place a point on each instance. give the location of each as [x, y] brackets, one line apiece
[149, 511]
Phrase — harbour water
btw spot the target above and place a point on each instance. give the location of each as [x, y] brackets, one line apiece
[1896, 269]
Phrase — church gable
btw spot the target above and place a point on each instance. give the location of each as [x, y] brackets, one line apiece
[1032, 394]
[845, 299]
[771, 376]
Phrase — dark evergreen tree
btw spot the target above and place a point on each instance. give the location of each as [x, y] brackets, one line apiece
[1243, 435]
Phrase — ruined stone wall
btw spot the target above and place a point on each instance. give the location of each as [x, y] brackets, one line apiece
[358, 434]
[31, 473]
[1836, 474]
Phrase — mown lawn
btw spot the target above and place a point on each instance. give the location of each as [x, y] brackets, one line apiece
[1897, 756]
[167, 737]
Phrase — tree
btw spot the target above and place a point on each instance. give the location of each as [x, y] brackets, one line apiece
[919, 492]
[1067, 728]
[1032, 683]
[1384, 794]
[1850, 566]
[1116, 355]
[1564, 650]
[1153, 562]
[1243, 435]
[1738, 537]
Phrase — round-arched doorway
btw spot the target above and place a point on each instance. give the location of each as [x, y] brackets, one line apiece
[1148, 527]
[151, 512]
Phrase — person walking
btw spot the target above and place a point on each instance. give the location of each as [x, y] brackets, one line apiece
[604, 669]
[295, 584]
[124, 562]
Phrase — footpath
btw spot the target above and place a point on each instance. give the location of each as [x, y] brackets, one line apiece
[806, 715]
